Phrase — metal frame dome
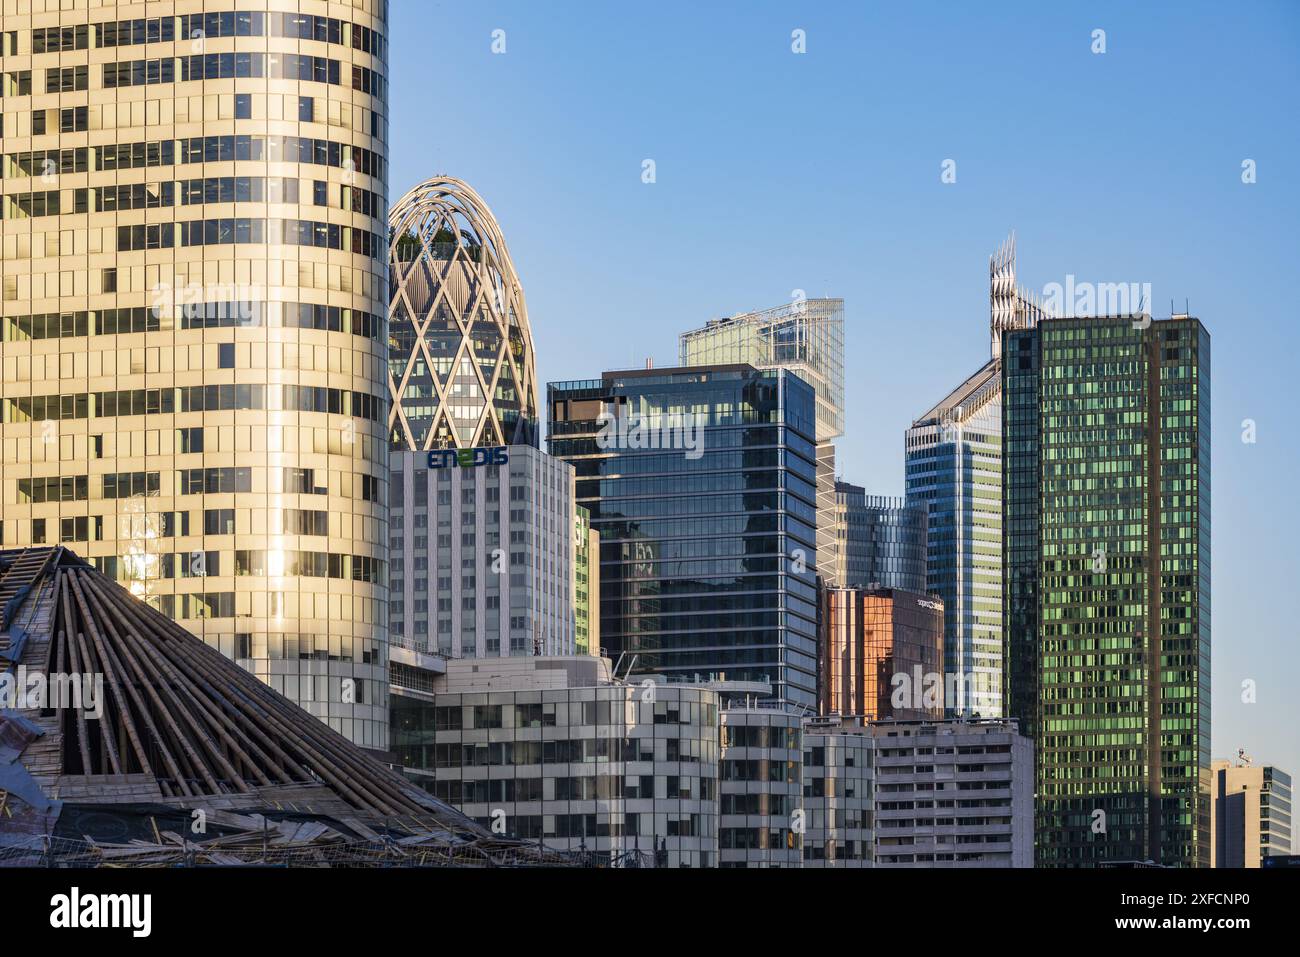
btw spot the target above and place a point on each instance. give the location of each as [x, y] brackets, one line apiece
[461, 362]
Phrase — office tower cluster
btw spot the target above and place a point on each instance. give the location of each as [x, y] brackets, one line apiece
[193, 282]
[308, 429]
[954, 472]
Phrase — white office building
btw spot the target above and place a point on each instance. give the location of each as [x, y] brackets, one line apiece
[481, 554]
[953, 794]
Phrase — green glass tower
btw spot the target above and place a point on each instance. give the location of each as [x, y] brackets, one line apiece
[1106, 602]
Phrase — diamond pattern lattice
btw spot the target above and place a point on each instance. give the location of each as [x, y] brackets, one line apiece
[460, 369]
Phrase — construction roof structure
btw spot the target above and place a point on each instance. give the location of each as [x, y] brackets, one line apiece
[124, 739]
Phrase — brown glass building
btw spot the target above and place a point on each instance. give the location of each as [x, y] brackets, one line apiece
[881, 654]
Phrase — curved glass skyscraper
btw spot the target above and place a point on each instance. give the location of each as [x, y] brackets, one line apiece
[193, 297]
[461, 351]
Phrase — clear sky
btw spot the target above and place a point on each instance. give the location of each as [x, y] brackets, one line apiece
[820, 171]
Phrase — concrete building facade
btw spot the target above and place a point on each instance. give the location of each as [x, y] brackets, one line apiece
[482, 555]
[1250, 814]
[953, 794]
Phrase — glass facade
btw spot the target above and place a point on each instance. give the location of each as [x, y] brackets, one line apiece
[882, 651]
[881, 541]
[192, 287]
[1275, 830]
[1107, 488]
[707, 554]
[460, 347]
[807, 337]
[586, 584]
[954, 471]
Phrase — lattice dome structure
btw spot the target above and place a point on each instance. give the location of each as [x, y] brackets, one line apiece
[461, 371]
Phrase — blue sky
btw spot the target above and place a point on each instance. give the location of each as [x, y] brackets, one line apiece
[820, 171]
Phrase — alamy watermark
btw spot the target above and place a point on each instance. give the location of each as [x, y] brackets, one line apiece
[668, 430]
[33, 689]
[1091, 299]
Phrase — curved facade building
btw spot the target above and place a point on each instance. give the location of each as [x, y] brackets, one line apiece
[194, 274]
[460, 369]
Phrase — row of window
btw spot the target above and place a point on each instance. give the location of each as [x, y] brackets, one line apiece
[200, 26]
[219, 189]
[241, 230]
[201, 481]
[221, 66]
[197, 149]
[192, 192]
[197, 398]
[197, 315]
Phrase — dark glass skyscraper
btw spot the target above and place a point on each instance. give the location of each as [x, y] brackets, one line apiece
[1106, 427]
[701, 482]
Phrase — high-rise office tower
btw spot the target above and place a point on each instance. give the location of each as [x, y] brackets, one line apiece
[482, 522]
[954, 469]
[461, 357]
[1107, 516]
[807, 337]
[1250, 814]
[880, 540]
[194, 271]
[701, 483]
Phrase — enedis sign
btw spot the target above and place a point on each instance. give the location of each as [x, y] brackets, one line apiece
[468, 458]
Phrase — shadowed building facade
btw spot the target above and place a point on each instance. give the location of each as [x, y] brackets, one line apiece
[1250, 814]
[708, 552]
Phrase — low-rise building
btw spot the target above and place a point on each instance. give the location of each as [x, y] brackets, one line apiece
[554, 749]
[762, 823]
[837, 794]
[1250, 814]
[640, 771]
[953, 793]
